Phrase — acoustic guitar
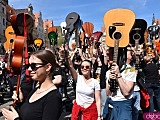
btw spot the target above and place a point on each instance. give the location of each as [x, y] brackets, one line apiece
[38, 42]
[118, 24]
[137, 36]
[153, 31]
[87, 28]
[52, 35]
[72, 21]
[9, 45]
[22, 24]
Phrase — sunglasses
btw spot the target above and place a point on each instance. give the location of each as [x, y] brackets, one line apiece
[87, 67]
[34, 66]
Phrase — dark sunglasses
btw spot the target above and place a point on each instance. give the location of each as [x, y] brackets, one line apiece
[87, 67]
[34, 66]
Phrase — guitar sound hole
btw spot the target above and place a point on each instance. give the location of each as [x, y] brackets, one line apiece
[117, 35]
[136, 36]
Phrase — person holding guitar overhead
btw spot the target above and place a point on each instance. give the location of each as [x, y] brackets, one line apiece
[120, 80]
[44, 102]
[121, 100]
[87, 105]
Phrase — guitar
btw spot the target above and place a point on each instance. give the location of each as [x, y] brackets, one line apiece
[118, 23]
[154, 34]
[17, 60]
[72, 21]
[38, 42]
[9, 45]
[157, 42]
[23, 24]
[95, 37]
[87, 28]
[137, 36]
[52, 35]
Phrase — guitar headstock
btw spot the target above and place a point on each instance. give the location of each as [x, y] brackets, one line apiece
[71, 20]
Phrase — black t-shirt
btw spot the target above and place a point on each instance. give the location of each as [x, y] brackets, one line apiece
[49, 107]
[151, 73]
[104, 69]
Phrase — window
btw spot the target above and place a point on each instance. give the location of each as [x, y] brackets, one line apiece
[3, 21]
[2, 9]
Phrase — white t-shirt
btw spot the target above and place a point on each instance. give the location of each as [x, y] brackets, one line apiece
[85, 91]
[129, 74]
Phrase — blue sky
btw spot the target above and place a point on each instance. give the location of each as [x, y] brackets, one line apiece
[89, 10]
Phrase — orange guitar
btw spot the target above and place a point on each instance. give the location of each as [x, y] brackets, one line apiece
[9, 44]
[9, 34]
[118, 23]
[38, 42]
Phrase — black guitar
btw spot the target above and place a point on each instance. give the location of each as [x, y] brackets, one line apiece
[72, 22]
[137, 36]
[154, 34]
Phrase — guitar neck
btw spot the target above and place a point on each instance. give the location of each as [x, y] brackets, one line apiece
[116, 45]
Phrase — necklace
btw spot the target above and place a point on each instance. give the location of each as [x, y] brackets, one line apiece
[44, 90]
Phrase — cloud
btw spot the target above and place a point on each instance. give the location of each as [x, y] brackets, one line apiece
[144, 3]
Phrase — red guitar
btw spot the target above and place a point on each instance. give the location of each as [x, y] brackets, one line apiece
[23, 24]
[20, 23]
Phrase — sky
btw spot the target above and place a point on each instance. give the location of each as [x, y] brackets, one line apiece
[89, 10]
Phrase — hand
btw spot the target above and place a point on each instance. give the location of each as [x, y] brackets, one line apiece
[19, 97]
[9, 114]
[114, 71]
[99, 118]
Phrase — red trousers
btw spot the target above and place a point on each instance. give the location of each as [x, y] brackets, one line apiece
[89, 113]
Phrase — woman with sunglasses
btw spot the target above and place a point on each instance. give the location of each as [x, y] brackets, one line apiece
[87, 105]
[44, 102]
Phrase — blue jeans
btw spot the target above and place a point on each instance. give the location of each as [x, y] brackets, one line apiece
[122, 110]
[153, 90]
[136, 105]
[103, 98]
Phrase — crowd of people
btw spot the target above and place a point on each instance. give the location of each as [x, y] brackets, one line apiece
[87, 83]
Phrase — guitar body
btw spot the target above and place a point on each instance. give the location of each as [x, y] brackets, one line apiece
[153, 31]
[71, 20]
[38, 42]
[118, 22]
[95, 36]
[138, 32]
[17, 60]
[88, 28]
[137, 37]
[9, 34]
[18, 54]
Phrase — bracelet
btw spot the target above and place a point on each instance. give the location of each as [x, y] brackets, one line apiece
[119, 76]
